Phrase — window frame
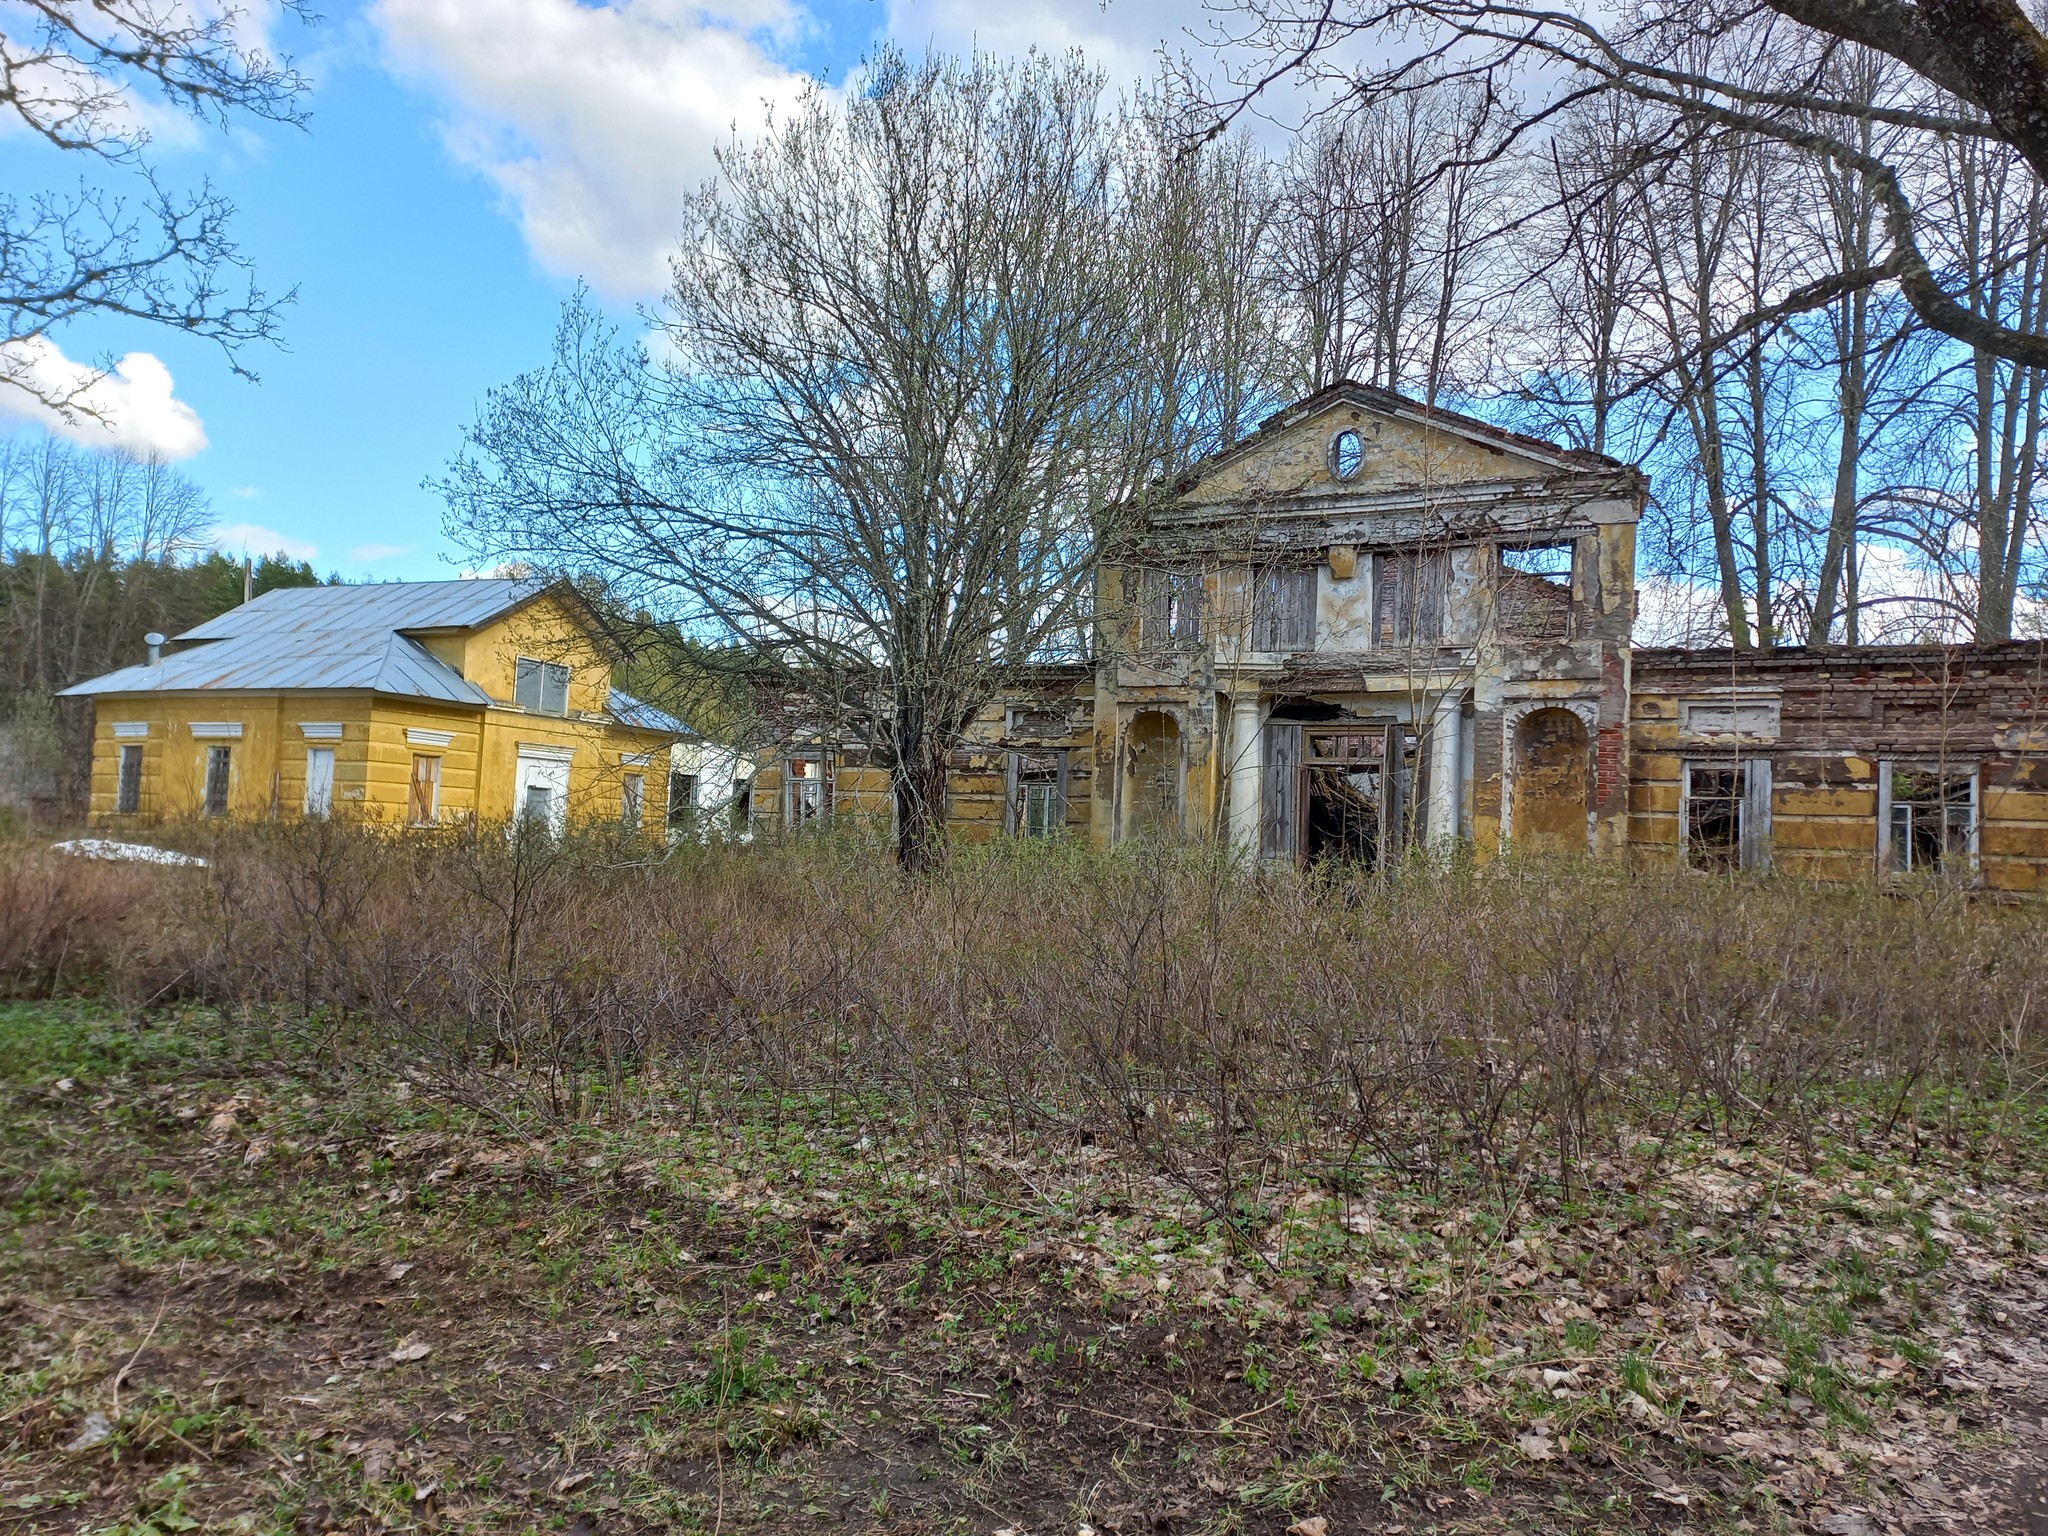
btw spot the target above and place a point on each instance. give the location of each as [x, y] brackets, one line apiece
[325, 807]
[1016, 813]
[821, 784]
[1170, 608]
[432, 818]
[681, 809]
[1398, 622]
[633, 801]
[222, 756]
[1887, 803]
[128, 779]
[545, 672]
[1752, 801]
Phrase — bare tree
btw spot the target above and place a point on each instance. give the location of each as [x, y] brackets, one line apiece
[71, 73]
[909, 326]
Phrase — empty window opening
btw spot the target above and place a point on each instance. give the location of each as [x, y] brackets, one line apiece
[423, 803]
[128, 785]
[804, 794]
[1038, 793]
[682, 799]
[219, 769]
[1171, 616]
[319, 781]
[541, 686]
[1932, 820]
[1713, 817]
[1284, 608]
[1533, 597]
[1410, 592]
[633, 801]
[742, 805]
[1347, 454]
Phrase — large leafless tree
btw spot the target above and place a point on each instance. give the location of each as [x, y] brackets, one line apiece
[926, 338]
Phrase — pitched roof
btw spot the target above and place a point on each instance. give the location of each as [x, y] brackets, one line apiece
[331, 637]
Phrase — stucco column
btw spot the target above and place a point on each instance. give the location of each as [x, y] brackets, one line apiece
[1244, 773]
[1444, 762]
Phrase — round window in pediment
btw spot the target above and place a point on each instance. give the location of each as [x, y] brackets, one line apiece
[1347, 454]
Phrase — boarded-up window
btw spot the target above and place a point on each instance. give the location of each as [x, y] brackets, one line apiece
[1284, 608]
[423, 802]
[219, 771]
[1170, 613]
[319, 780]
[1038, 794]
[1409, 596]
[541, 686]
[1280, 791]
[633, 801]
[128, 786]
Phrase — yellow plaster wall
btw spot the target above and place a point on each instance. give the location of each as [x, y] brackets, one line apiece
[547, 629]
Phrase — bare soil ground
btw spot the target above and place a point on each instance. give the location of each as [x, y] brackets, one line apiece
[245, 1291]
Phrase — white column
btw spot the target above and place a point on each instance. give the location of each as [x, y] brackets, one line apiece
[1444, 762]
[1245, 747]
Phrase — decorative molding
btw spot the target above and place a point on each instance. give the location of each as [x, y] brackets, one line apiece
[636, 759]
[547, 752]
[1731, 716]
[420, 738]
[130, 730]
[321, 730]
[220, 730]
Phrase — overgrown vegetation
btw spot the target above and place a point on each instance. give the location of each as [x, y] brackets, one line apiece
[732, 1188]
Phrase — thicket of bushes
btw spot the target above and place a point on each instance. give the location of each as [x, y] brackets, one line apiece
[1493, 1025]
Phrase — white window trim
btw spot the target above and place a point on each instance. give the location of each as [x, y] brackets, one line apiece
[1752, 843]
[320, 730]
[1886, 766]
[636, 759]
[416, 737]
[130, 730]
[217, 730]
[547, 752]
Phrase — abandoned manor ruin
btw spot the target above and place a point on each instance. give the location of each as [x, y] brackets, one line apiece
[1373, 624]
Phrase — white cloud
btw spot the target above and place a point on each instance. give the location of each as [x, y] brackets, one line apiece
[255, 539]
[594, 119]
[134, 405]
[1122, 38]
[370, 554]
[246, 492]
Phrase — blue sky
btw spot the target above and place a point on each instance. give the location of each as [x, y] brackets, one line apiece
[466, 163]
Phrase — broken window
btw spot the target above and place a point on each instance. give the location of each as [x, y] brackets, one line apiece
[219, 769]
[742, 804]
[633, 801]
[128, 786]
[424, 801]
[682, 798]
[804, 792]
[541, 686]
[1409, 596]
[1930, 819]
[1284, 608]
[1726, 813]
[1171, 612]
[1038, 794]
[1533, 596]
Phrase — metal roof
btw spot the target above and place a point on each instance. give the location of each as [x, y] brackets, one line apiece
[628, 710]
[330, 637]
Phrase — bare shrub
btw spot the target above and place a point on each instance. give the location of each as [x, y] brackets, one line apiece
[1471, 1029]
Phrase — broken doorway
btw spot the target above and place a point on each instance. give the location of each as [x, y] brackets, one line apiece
[1350, 796]
[1152, 780]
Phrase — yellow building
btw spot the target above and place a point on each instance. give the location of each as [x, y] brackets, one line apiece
[422, 703]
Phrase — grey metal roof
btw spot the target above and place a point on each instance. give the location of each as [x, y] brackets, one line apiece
[628, 710]
[330, 637]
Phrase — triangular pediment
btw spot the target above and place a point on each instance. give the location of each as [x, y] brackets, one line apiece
[1308, 451]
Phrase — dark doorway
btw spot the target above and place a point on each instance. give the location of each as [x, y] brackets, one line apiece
[1350, 789]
